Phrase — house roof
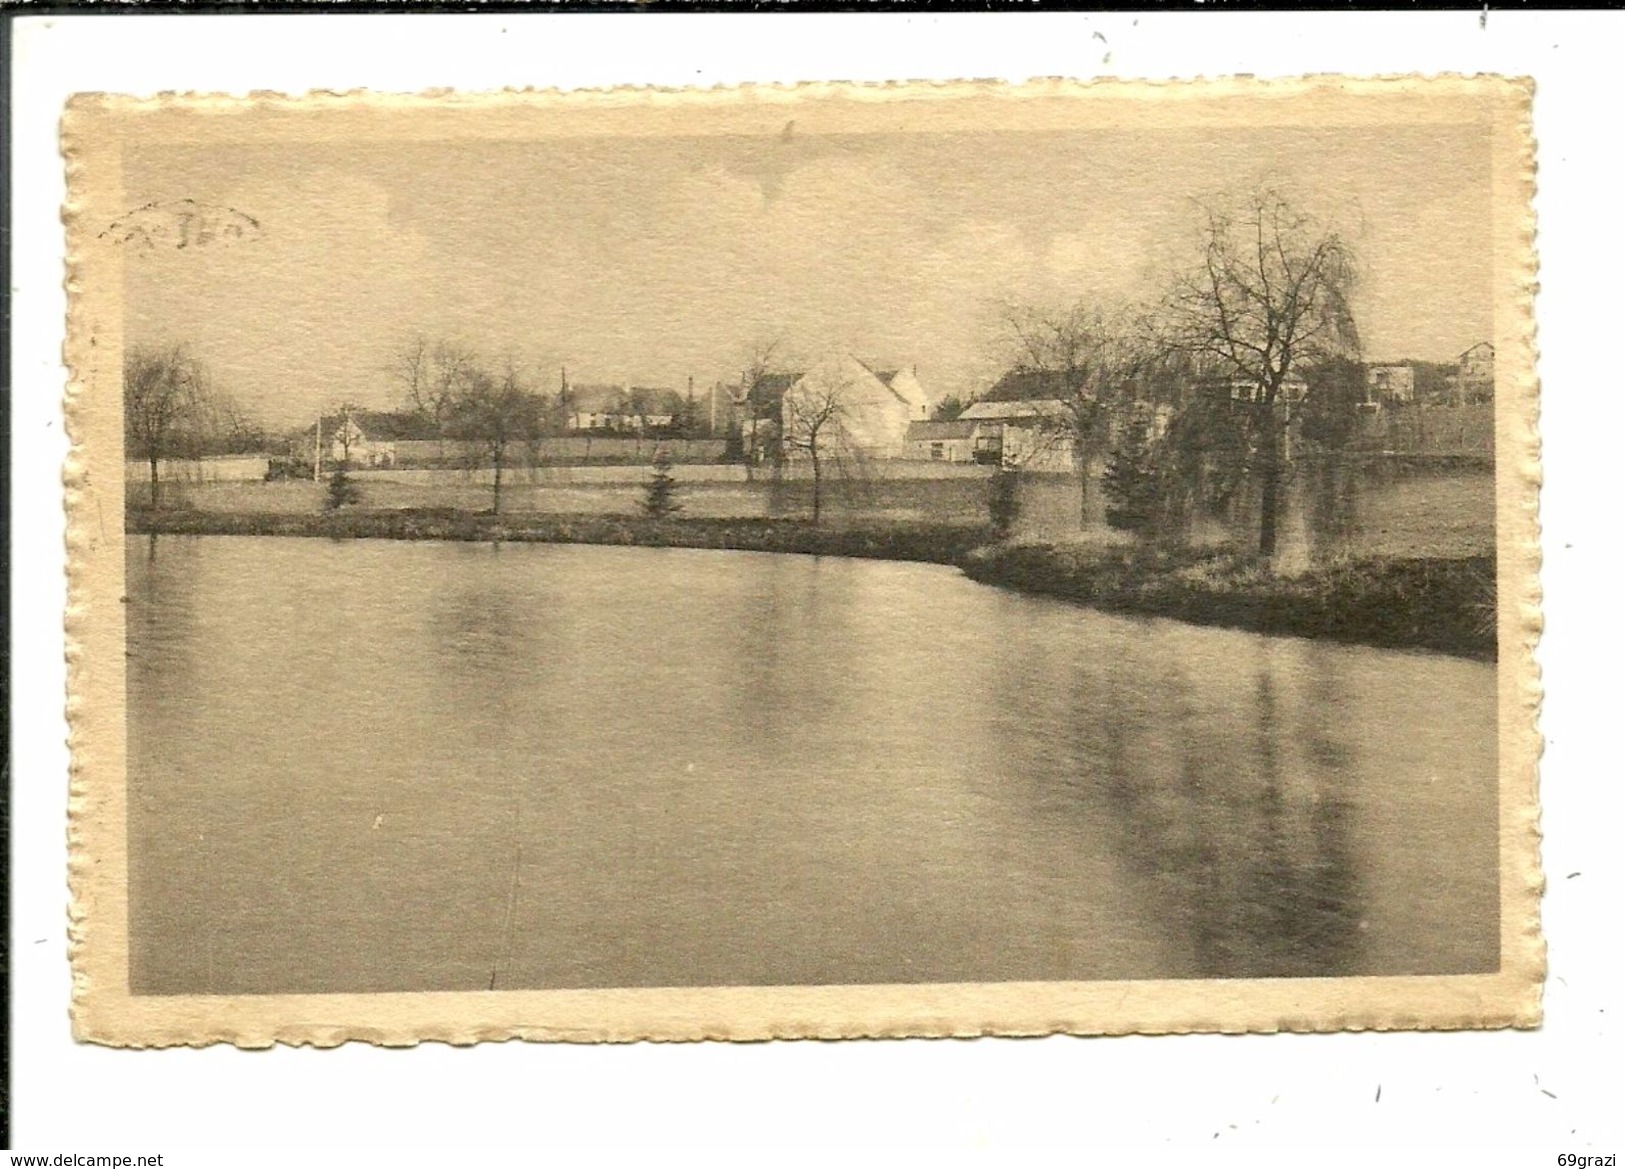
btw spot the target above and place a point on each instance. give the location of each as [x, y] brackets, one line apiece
[773, 384]
[883, 376]
[595, 399]
[909, 392]
[1027, 385]
[652, 400]
[766, 393]
[380, 425]
[937, 431]
[1030, 408]
[624, 400]
[395, 425]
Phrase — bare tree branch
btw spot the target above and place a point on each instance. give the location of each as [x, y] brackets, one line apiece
[1271, 295]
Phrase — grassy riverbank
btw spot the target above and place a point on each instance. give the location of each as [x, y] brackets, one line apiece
[935, 543]
[1444, 603]
[1437, 603]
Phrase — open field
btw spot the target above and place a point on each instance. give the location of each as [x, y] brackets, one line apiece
[1388, 511]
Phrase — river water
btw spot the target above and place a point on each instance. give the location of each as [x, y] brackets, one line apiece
[368, 765]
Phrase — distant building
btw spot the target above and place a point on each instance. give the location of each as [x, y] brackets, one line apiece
[1024, 410]
[1293, 389]
[1033, 434]
[1027, 385]
[1474, 381]
[365, 438]
[1387, 384]
[873, 407]
[626, 409]
[947, 442]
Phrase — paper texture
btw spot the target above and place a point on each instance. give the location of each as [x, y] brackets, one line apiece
[828, 561]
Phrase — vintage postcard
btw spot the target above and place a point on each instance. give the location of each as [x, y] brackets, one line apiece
[810, 561]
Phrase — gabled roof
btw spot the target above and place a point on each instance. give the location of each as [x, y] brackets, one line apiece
[890, 379]
[767, 391]
[1027, 385]
[652, 400]
[883, 376]
[1001, 410]
[624, 401]
[395, 425]
[380, 425]
[937, 431]
[776, 383]
[595, 399]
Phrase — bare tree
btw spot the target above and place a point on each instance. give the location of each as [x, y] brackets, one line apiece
[1086, 358]
[1271, 295]
[346, 434]
[433, 376]
[756, 384]
[341, 489]
[220, 426]
[163, 394]
[813, 416]
[494, 411]
[412, 365]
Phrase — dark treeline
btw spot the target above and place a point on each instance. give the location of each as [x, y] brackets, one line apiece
[1196, 397]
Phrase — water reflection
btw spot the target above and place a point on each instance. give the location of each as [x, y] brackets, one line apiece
[377, 766]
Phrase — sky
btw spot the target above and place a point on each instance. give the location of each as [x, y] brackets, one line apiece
[654, 260]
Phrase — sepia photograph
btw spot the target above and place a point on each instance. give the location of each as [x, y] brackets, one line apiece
[960, 554]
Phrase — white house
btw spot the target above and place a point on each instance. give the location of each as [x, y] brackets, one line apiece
[632, 409]
[1034, 434]
[856, 410]
[947, 442]
[364, 438]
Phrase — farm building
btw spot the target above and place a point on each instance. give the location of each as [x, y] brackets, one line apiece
[1033, 434]
[623, 409]
[946, 442]
[365, 438]
[855, 409]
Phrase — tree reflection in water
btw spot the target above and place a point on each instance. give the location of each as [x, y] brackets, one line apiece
[1244, 843]
[371, 766]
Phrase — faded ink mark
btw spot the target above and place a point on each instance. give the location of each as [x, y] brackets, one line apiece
[506, 952]
[179, 224]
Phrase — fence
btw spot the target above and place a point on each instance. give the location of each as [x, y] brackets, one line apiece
[1412, 428]
[587, 474]
[566, 450]
[219, 469]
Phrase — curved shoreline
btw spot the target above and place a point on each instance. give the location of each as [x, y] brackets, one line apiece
[1441, 604]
